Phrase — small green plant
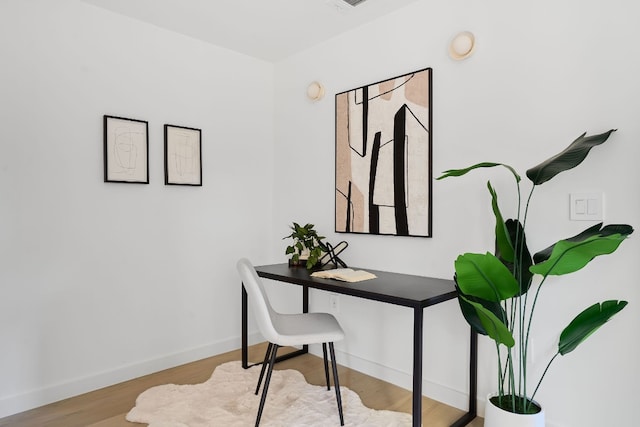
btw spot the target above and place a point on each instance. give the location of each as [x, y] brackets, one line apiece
[305, 238]
[498, 293]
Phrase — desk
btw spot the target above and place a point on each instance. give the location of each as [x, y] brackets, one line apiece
[406, 290]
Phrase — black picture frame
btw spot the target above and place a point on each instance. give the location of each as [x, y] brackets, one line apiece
[126, 150]
[182, 155]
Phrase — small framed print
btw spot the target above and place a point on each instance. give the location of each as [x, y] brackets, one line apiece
[182, 155]
[126, 150]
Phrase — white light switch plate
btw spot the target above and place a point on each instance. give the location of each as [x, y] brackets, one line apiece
[586, 206]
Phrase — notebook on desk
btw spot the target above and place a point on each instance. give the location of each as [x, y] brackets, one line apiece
[344, 274]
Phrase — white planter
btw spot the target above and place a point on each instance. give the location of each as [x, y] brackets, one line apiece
[496, 417]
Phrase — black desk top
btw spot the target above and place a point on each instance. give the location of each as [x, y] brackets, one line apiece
[394, 288]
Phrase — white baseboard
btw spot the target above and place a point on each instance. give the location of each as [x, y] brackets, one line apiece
[32, 399]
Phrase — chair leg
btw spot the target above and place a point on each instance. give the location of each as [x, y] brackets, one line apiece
[264, 365]
[336, 383]
[326, 365]
[263, 399]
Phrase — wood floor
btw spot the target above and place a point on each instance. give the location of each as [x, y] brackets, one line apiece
[107, 407]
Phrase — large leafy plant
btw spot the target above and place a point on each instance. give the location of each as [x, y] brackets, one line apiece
[498, 292]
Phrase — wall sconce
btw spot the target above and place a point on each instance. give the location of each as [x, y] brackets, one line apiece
[315, 91]
[462, 45]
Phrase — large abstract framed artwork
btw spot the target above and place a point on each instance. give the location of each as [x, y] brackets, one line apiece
[182, 156]
[383, 157]
[126, 150]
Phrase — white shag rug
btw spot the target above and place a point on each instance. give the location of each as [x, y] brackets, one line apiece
[227, 399]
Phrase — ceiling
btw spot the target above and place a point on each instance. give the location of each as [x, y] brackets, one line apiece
[266, 29]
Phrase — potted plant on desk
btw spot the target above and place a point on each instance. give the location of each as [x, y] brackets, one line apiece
[498, 297]
[307, 245]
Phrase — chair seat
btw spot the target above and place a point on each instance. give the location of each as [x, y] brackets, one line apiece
[306, 328]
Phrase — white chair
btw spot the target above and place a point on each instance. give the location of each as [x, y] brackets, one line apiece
[289, 330]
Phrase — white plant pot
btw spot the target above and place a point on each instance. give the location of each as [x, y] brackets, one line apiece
[496, 417]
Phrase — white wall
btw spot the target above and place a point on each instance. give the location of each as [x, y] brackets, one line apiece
[101, 282]
[543, 73]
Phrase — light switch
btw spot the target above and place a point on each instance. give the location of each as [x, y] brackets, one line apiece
[586, 206]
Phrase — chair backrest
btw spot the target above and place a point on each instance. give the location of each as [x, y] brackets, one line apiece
[265, 314]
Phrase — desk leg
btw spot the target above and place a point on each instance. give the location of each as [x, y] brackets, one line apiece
[417, 374]
[245, 356]
[305, 299]
[473, 382]
[473, 374]
[305, 309]
[417, 367]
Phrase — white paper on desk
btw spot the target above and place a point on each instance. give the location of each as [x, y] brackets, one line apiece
[344, 274]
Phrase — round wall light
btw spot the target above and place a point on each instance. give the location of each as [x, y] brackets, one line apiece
[462, 45]
[315, 91]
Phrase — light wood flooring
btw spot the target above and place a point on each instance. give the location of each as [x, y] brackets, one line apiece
[107, 407]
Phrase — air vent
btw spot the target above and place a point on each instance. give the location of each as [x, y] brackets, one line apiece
[354, 2]
[343, 6]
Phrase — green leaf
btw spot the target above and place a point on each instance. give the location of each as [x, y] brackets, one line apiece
[460, 172]
[570, 256]
[470, 314]
[316, 252]
[484, 276]
[494, 327]
[503, 241]
[595, 230]
[569, 158]
[586, 323]
[290, 250]
[520, 267]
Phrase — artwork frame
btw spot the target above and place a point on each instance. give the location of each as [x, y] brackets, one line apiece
[383, 158]
[126, 150]
[182, 155]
